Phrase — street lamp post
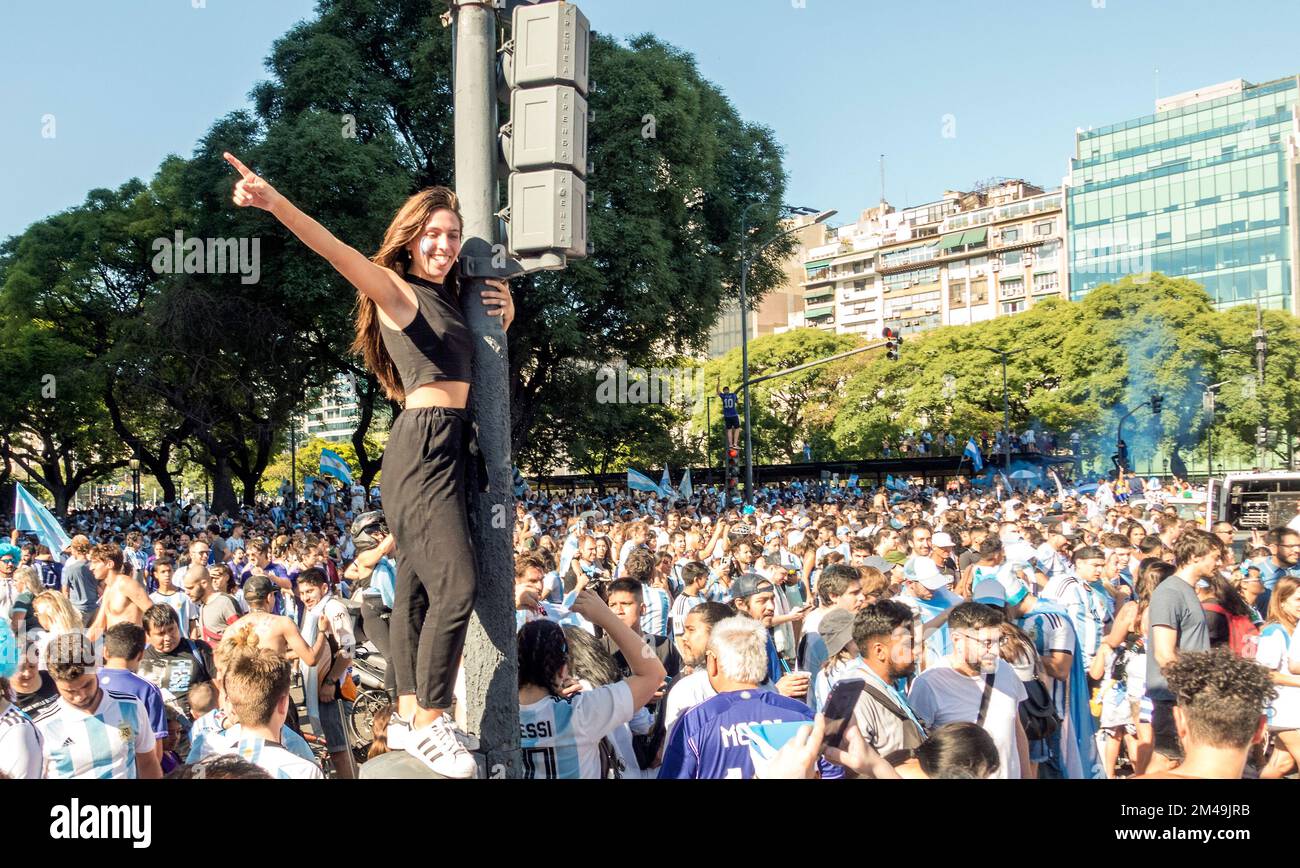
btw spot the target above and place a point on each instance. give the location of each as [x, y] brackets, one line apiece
[135, 484]
[708, 436]
[293, 461]
[1006, 407]
[744, 321]
[1211, 390]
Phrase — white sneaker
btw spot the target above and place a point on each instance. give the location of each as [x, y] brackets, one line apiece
[399, 730]
[438, 748]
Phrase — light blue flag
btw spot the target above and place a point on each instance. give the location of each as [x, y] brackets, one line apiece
[973, 453]
[638, 481]
[853, 480]
[30, 515]
[666, 485]
[686, 489]
[333, 464]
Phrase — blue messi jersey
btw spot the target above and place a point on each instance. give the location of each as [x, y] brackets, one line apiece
[711, 741]
[728, 403]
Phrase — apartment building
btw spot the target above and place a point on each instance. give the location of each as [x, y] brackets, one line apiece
[968, 257]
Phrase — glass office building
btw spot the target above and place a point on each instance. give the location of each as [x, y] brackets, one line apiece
[1202, 189]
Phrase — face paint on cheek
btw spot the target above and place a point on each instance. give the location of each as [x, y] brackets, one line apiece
[426, 246]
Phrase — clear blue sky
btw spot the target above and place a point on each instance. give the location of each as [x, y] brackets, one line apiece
[840, 81]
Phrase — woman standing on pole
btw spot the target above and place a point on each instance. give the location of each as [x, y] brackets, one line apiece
[415, 340]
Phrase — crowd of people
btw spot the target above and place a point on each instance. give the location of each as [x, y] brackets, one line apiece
[984, 633]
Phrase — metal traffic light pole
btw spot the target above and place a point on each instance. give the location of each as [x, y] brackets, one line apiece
[490, 658]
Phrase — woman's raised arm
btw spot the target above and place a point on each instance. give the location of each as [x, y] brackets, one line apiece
[378, 283]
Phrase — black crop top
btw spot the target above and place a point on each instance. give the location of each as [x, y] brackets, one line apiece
[436, 345]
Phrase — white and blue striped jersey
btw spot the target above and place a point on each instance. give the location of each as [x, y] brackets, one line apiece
[1088, 610]
[1051, 632]
[681, 608]
[560, 738]
[21, 756]
[657, 604]
[278, 761]
[101, 744]
[214, 723]
[186, 611]
[715, 591]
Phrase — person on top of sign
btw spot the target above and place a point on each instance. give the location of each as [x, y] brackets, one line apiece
[414, 336]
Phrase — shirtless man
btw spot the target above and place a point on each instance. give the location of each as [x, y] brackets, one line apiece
[276, 632]
[124, 599]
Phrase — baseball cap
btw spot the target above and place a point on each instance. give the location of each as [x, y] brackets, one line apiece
[925, 571]
[257, 587]
[990, 592]
[843, 530]
[942, 540]
[750, 584]
[836, 630]
[796, 537]
[879, 563]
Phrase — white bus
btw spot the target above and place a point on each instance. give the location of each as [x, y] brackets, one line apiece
[1254, 501]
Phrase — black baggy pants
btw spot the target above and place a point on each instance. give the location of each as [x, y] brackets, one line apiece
[429, 465]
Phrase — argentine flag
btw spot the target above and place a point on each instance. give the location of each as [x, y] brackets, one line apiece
[686, 490]
[973, 453]
[333, 464]
[666, 485]
[30, 515]
[638, 481]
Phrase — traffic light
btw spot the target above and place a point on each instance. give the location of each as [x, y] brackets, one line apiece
[1261, 436]
[1157, 401]
[892, 342]
[731, 468]
[544, 145]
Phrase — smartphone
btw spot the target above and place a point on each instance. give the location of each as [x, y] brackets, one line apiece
[839, 710]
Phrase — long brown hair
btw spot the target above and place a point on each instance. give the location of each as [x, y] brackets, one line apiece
[409, 224]
[1286, 586]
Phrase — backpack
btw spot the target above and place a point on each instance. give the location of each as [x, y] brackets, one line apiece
[1038, 712]
[1243, 635]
